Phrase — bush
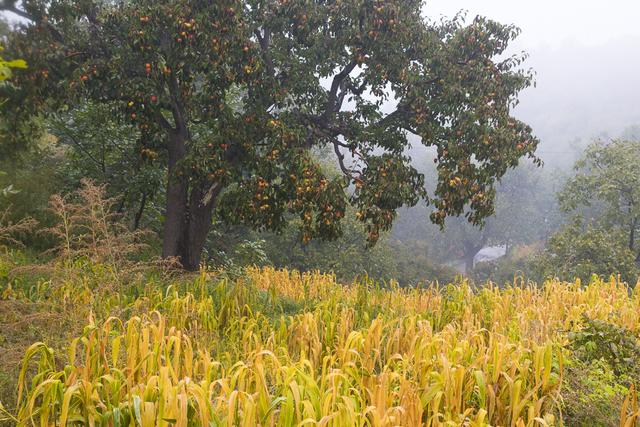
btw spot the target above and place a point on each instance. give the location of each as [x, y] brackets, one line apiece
[592, 395]
[501, 271]
[30, 181]
[579, 251]
[616, 345]
[604, 363]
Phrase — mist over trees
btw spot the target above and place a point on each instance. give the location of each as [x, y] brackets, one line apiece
[317, 212]
[580, 93]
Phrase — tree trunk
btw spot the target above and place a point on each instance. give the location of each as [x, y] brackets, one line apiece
[138, 216]
[468, 263]
[189, 211]
[196, 230]
[632, 233]
[471, 249]
[177, 194]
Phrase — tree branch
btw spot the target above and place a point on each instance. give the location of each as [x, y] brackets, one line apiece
[177, 110]
[332, 102]
[13, 9]
[391, 117]
[345, 170]
[164, 123]
[83, 149]
[357, 90]
[263, 40]
[10, 6]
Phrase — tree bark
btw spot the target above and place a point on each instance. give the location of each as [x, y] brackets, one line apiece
[189, 211]
[202, 202]
[177, 194]
[138, 216]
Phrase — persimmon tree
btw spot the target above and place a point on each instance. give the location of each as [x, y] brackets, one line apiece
[230, 96]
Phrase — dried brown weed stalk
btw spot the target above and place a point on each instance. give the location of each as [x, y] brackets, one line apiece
[9, 229]
[89, 227]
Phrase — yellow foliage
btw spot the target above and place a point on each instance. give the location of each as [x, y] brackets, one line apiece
[353, 355]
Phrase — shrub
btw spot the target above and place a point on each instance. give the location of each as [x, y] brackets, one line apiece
[601, 340]
[580, 251]
[592, 395]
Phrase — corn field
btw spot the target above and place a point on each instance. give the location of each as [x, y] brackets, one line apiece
[281, 348]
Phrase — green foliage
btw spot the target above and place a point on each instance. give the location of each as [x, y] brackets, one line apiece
[347, 257]
[8, 189]
[415, 263]
[592, 395]
[580, 251]
[604, 362]
[233, 93]
[244, 253]
[6, 66]
[503, 270]
[111, 153]
[32, 178]
[614, 344]
[607, 186]
[14, 130]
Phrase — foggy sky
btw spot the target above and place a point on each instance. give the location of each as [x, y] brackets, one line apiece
[586, 56]
[553, 22]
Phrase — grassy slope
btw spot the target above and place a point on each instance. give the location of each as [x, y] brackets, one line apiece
[277, 348]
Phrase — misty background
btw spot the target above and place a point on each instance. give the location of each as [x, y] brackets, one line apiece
[586, 59]
[586, 56]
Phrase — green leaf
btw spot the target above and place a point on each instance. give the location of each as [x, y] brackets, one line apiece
[16, 63]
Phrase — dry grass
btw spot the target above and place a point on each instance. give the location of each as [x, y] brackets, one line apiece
[89, 227]
[90, 233]
[216, 353]
[9, 230]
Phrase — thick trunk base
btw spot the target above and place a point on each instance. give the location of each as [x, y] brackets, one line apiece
[188, 222]
[189, 208]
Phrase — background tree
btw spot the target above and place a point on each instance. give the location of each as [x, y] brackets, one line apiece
[580, 250]
[110, 154]
[525, 213]
[606, 187]
[233, 94]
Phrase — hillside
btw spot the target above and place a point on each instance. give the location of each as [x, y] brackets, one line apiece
[273, 347]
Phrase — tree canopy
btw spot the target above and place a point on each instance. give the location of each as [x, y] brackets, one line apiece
[607, 185]
[230, 96]
[580, 250]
